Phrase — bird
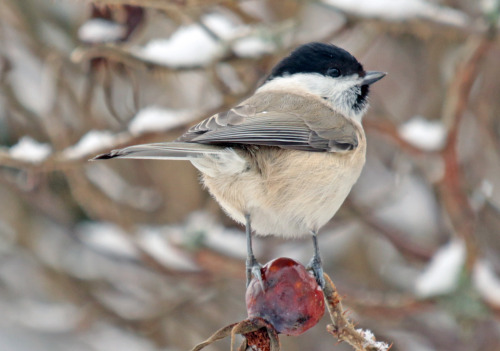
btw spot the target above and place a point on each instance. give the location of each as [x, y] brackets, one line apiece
[282, 161]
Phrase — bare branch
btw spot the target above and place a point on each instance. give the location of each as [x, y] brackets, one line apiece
[451, 187]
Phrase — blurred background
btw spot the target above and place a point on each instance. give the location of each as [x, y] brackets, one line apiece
[135, 255]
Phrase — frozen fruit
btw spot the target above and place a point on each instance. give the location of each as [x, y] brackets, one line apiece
[291, 301]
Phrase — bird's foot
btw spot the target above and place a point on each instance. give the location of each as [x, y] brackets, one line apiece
[254, 270]
[316, 267]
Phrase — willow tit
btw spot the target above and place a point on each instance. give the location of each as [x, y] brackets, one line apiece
[284, 160]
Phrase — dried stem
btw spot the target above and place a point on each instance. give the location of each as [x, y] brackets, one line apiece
[342, 328]
[260, 335]
[218, 335]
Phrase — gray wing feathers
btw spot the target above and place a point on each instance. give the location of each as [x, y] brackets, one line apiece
[163, 151]
[282, 120]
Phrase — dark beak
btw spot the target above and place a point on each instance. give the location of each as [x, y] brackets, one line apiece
[372, 76]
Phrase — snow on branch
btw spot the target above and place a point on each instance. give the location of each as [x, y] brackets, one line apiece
[395, 10]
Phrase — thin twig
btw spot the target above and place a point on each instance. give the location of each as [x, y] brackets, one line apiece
[342, 328]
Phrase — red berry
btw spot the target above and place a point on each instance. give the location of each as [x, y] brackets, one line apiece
[292, 301]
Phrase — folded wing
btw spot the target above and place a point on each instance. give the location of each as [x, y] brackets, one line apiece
[271, 120]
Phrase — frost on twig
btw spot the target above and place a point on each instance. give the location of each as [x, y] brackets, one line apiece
[371, 343]
[342, 328]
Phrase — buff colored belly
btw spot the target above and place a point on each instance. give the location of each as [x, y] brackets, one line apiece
[297, 193]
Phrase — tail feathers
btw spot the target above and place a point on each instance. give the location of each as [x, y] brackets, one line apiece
[163, 151]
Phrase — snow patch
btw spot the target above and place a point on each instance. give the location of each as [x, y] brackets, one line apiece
[29, 150]
[487, 188]
[253, 47]
[157, 119]
[397, 10]
[424, 134]
[90, 143]
[370, 341]
[99, 30]
[104, 236]
[220, 24]
[442, 274]
[486, 282]
[190, 45]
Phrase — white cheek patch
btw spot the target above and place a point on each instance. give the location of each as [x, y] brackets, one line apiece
[341, 92]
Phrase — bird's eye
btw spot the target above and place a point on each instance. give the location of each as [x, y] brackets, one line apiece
[333, 72]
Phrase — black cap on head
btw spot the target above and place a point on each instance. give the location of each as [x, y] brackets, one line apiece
[325, 59]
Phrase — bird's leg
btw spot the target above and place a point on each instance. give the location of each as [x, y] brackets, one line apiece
[252, 265]
[315, 263]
